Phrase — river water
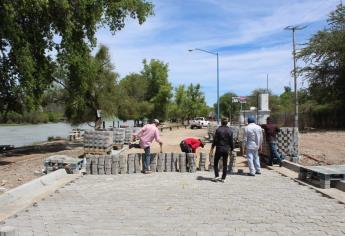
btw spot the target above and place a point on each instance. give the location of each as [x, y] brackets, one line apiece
[22, 135]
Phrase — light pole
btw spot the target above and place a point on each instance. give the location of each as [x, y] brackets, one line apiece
[294, 29]
[216, 54]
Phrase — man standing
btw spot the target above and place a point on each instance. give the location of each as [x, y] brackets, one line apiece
[271, 131]
[146, 135]
[223, 141]
[253, 143]
[189, 145]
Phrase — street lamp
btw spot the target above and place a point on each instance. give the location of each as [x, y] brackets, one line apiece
[294, 29]
[216, 54]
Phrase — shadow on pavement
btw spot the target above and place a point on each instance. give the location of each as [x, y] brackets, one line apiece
[204, 178]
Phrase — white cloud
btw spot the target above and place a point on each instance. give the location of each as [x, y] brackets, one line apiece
[175, 29]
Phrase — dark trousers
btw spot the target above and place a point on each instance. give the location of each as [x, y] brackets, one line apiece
[185, 148]
[217, 156]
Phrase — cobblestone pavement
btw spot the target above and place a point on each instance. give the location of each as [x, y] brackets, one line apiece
[183, 204]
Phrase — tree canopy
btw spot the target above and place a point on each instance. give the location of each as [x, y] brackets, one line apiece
[38, 36]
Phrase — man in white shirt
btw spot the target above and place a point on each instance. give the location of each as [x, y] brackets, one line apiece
[253, 144]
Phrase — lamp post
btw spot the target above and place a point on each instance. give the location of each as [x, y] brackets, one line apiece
[216, 54]
[294, 29]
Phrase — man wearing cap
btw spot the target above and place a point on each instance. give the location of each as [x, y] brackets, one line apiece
[253, 143]
[223, 141]
[189, 145]
[146, 135]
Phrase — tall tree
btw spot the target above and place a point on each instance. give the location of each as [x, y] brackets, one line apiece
[96, 91]
[195, 104]
[324, 58]
[159, 89]
[227, 108]
[32, 31]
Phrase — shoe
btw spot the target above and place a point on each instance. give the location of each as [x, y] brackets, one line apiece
[216, 179]
[147, 172]
[280, 163]
[222, 180]
[250, 174]
[258, 173]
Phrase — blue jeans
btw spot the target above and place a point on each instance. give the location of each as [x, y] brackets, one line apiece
[275, 154]
[253, 161]
[147, 158]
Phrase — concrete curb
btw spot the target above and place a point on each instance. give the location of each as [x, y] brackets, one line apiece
[25, 195]
[292, 166]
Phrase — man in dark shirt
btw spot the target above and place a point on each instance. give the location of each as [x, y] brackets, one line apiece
[223, 141]
[271, 131]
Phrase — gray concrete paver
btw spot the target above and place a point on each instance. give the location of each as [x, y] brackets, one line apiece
[179, 204]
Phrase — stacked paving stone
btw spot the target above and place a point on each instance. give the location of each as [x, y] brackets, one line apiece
[133, 163]
[191, 162]
[128, 135]
[202, 161]
[287, 142]
[98, 142]
[211, 130]
[168, 162]
[153, 164]
[232, 161]
[123, 164]
[119, 136]
[115, 164]
[174, 161]
[182, 162]
[130, 163]
[161, 162]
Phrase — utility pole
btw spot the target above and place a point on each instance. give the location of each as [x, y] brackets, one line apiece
[294, 29]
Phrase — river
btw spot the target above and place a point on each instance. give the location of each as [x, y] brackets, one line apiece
[22, 135]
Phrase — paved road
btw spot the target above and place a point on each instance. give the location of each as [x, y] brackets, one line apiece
[183, 204]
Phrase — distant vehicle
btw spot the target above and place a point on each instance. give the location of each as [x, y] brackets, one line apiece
[198, 122]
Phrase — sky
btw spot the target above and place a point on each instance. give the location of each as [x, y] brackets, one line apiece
[248, 35]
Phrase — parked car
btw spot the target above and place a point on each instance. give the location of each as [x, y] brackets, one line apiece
[198, 122]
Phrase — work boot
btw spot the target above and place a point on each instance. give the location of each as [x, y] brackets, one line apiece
[250, 174]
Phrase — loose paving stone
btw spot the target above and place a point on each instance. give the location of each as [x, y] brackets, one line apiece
[170, 203]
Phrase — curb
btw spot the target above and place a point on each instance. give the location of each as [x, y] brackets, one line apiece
[25, 195]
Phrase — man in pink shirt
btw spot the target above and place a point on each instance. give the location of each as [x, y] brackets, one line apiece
[146, 135]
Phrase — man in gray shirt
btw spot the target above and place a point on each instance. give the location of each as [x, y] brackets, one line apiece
[253, 143]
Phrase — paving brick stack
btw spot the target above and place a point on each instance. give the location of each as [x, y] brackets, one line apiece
[161, 162]
[202, 161]
[182, 162]
[123, 164]
[128, 135]
[88, 164]
[115, 165]
[107, 164]
[100, 165]
[174, 161]
[119, 136]
[130, 163]
[98, 142]
[168, 162]
[153, 164]
[137, 162]
[191, 162]
[94, 164]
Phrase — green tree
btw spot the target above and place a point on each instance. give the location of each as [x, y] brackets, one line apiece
[133, 92]
[227, 108]
[324, 58]
[195, 104]
[32, 31]
[159, 90]
[97, 89]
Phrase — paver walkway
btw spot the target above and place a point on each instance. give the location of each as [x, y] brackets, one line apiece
[183, 204]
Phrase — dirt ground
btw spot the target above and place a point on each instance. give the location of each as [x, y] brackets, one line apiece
[326, 147]
[19, 166]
